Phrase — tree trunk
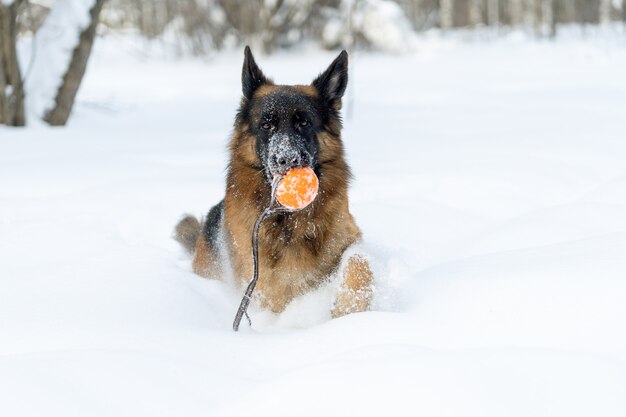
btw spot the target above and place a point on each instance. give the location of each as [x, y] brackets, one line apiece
[589, 11]
[605, 12]
[445, 14]
[548, 17]
[493, 12]
[475, 12]
[11, 85]
[66, 94]
[569, 13]
[516, 12]
[530, 14]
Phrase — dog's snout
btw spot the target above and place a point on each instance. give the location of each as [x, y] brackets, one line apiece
[286, 152]
[287, 160]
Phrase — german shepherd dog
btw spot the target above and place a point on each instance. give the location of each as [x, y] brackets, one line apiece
[277, 128]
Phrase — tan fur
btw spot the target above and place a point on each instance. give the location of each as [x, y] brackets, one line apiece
[268, 89]
[309, 90]
[265, 90]
[355, 293]
[205, 261]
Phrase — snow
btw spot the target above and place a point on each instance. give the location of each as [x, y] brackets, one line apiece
[490, 185]
[50, 54]
[382, 24]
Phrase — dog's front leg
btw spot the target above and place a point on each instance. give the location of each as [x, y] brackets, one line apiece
[355, 293]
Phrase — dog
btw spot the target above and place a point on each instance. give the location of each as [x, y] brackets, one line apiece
[277, 128]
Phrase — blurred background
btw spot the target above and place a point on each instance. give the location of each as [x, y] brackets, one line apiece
[46, 44]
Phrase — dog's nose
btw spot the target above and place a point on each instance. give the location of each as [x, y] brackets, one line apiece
[289, 158]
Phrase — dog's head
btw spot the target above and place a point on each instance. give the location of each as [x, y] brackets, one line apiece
[285, 121]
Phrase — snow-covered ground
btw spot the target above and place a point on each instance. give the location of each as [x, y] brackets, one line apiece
[490, 183]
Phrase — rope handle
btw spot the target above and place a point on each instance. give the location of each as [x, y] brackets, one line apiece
[245, 301]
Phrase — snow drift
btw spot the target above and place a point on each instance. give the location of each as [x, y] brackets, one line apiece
[491, 192]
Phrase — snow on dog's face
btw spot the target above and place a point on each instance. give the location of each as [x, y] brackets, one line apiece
[286, 121]
[285, 124]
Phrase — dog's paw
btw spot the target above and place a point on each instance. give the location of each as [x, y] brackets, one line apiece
[355, 292]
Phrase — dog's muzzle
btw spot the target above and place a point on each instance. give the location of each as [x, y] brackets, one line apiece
[286, 153]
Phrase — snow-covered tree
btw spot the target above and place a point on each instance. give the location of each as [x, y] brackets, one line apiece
[59, 54]
[62, 48]
[377, 24]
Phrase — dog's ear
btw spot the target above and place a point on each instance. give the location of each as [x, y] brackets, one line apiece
[332, 83]
[251, 75]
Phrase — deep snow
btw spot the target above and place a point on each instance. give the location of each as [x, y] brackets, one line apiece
[490, 183]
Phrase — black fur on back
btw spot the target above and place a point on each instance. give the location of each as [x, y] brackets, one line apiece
[189, 228]
[213, 224]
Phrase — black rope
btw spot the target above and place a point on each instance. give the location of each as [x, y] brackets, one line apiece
[245, 301]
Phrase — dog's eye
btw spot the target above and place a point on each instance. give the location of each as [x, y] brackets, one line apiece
[267, 126]
[303, 123]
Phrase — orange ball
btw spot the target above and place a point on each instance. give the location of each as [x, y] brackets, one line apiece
[298, 188]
